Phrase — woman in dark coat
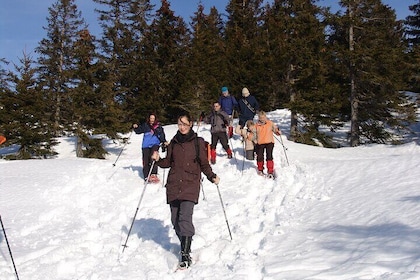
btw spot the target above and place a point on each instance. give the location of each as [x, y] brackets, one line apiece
[187, 158]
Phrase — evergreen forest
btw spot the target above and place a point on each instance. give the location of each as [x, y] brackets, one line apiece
[359, 65]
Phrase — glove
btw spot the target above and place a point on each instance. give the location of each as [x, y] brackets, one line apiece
[164, 145]
[155, 156]
[216, 179]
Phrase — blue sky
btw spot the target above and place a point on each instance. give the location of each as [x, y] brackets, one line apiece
[22, 21]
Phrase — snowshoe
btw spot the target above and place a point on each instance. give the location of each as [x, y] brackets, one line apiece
[185, 262]
[154, 179]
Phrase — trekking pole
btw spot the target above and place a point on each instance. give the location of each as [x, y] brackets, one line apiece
[202, 189]
[243, 159]
[8, 246]
[138, 205]
[284, 149]
[164, 149]
[122, 148]
[200, 119]
[224, 212]
[163, 179]
[230, 139]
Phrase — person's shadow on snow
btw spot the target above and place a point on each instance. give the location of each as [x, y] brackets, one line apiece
[152, 229]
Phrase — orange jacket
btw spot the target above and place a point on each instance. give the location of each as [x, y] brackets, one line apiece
[264, 132]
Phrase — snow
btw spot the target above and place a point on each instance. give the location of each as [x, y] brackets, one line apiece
[348, 213]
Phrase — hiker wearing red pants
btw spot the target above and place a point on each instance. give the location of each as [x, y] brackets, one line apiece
[218, 120]
[263, 135]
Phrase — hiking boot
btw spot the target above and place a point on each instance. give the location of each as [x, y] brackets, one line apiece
[185, 252]
[260, 165]
[185, 261]
[213, 156]
[230, 131]
[270, 166]
[229, 153]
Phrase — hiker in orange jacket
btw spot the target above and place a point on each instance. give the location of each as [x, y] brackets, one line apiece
[263, 137]
[2, 139]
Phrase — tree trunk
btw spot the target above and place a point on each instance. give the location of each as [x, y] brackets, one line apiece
[79, 145]
[354, 103]
[293, 115]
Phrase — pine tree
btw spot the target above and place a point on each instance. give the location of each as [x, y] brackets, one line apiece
[412, 24]
[56, 59]
[297, 67]
[124, 23]
[276, 49]
[6, 93]
[207, 62]
[116, 48]
[137, 76]
[373, 56]
[165, 51]
[87, 103]
[244, 48]
[27, 123]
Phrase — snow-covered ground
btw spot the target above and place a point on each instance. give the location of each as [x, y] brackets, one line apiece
[348, 213]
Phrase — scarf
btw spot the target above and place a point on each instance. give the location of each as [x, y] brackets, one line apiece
[182, 138]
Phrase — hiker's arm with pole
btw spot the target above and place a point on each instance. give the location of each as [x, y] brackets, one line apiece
[125, 144]
[163, 162]
[281, 142]
[204, 163]
[276, 129]
[139, 129]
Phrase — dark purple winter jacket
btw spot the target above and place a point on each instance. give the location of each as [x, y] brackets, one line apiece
[185, 174]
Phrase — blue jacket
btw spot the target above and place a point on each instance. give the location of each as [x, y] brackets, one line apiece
[228, 104]
[153, 134]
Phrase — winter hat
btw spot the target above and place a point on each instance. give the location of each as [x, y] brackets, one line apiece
[245, 92]
[224, 89]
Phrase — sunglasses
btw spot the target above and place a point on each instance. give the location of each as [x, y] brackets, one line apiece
[183, 124]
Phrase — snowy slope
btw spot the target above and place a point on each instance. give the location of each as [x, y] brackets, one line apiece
[349, 213]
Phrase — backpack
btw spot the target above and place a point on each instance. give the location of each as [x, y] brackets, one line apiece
[197, 149]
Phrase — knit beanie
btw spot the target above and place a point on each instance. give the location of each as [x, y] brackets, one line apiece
[245, 92]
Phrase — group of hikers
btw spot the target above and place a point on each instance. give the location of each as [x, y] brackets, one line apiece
[187, 156]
